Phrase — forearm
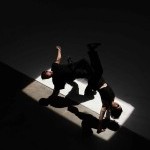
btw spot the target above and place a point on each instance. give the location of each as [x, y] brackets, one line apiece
[59, 56]
[108, 114]
[101, 116]
[102, 113]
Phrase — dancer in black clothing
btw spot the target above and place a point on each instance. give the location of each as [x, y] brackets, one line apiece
[65, 73]
[109, 108]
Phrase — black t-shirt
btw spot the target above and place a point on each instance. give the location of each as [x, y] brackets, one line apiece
[107, 95]
[61, 75]
[64, 73]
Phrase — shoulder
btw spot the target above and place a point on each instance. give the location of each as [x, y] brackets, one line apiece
[55, 64]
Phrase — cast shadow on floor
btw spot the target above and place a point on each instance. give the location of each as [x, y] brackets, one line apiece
[90, 122]
[72, 98]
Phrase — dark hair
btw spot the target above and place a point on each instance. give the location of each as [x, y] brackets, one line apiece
[43, 75]
[115, 112]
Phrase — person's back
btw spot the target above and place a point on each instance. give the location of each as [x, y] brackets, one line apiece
[107, 95]
[62, 74]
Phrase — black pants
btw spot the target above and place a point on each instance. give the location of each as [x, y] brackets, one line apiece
[97, 70]
[81, 69]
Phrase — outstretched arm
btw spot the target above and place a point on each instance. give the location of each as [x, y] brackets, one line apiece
[101, 116]
[58, 58]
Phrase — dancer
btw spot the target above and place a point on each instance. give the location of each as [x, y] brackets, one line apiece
[109, 108]
[65, 73]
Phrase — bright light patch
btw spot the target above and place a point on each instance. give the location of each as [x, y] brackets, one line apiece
[93, 104]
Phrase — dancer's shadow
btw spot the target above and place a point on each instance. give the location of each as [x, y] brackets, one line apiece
[74, 94]
[72, 98]
[58, 102]
[89, 122]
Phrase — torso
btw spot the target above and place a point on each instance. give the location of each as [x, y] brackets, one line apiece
[61, 75]
[107, 95]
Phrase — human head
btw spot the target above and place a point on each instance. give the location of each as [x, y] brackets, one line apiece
[46, 74]
[116, 110]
